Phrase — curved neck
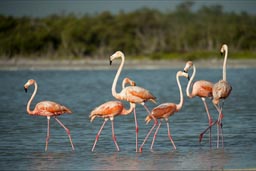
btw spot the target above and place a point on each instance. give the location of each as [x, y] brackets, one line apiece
[224, 75]
[114, 93]
[126, 112]
[30, 100]
[179, 106]
[189, 94]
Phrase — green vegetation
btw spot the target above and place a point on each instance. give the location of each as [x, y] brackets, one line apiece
[144, 33]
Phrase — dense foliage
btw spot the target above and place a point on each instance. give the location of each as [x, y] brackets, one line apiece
[144, 32]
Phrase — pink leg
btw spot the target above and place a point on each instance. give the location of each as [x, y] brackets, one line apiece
[48, 133]
[219, 127]
[67, 130]
[209, 120]
[169, 134]
[147, 136]
[98, 134]
[154, 138]
[113, 135]
[136, 128]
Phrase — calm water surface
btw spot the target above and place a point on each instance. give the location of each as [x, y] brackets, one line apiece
[23, 136]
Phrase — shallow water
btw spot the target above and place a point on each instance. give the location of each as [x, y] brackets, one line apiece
[23, 136]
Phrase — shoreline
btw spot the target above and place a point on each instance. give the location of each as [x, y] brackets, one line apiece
[85, 64]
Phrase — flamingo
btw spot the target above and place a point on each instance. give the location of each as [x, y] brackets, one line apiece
[164, 111]
[202, 89]
[133, 94]
[48, 109]
[109, 110]
[220, 91]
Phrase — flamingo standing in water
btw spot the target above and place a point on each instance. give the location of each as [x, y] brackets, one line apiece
[133, 94]
[164, 111]
[48, 109]
[221, 90]
[202, 89]
[109, 110]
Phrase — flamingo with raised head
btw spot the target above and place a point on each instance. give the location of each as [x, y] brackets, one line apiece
[164, 111]
[221, 90]
[109, 110]
[133, 94]
[202, 89]
[48, 109]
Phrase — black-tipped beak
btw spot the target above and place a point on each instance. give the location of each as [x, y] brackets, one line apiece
[185, 71]
[188, 77]
[221, 53]
[110, 62]
[26, 90]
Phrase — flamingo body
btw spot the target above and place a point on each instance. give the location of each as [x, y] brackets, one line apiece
[164, 110]
[49, 108]
[202, 88]
[221, 90]
[136, 94]
[109, 109]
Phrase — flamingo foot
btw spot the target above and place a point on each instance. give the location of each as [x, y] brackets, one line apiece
[140, 150]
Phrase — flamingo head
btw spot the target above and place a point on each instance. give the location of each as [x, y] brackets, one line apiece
[188, 65]
[29, 83]
[117, 54]
[223, 49]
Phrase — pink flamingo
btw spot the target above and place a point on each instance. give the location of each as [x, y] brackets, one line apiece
[202, 89]
[109, 110]
[221, 90]
[48, 109]
[133, 94]
[164, 111]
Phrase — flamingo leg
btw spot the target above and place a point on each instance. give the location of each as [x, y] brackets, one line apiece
[149, 132]
[219, 125]
[154, 137]
[136, 128]
[67, 130]
[113, 135]
[169, 134]
[98, 134]
[48, 133]
[209, 120]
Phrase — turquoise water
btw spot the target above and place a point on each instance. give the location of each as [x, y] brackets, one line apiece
[23, 136]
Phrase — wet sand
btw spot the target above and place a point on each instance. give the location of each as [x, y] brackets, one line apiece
[22, 64]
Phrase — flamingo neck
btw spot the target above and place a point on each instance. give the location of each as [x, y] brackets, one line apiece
[224, 75]
[189, 94]
[114, 93]
[128, 111]
[179, 106]
[30, 100]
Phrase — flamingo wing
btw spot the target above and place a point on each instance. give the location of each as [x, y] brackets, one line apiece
[163, 110]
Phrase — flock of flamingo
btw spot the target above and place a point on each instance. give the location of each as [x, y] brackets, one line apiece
[138, 95]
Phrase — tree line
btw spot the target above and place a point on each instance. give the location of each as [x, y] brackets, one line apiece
[144, 32]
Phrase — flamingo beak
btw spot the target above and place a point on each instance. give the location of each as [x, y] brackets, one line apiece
[26, 90]
[110, 62]
[221, 53]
